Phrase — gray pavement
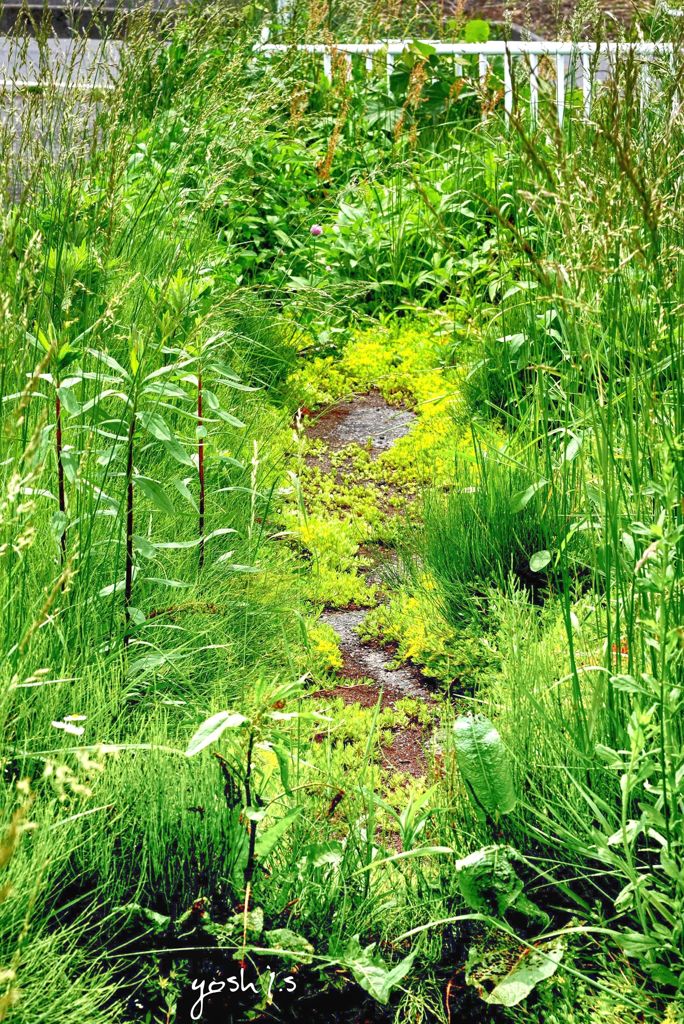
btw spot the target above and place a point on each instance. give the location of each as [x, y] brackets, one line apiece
[67, 62]
[66, 17]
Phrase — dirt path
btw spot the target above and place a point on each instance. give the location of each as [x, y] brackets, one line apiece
[363, 419]
[370, 420]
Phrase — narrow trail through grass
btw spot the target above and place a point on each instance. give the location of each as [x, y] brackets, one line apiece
[370, 421]
[377, 424]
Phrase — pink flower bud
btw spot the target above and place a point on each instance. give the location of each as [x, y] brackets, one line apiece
[316, 230]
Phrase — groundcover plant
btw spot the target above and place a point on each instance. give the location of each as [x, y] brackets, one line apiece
[341, 529]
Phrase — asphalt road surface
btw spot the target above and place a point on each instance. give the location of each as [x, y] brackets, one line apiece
[67, 16]
[68, 62]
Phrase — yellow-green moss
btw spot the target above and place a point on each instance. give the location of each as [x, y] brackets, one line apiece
[413, 622]
[324, 648]
[346, 498]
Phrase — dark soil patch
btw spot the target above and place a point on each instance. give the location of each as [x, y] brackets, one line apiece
[552, 19]
[366, 695]
[368, 660]
[364, 660]
[368, 418]
[407, 752]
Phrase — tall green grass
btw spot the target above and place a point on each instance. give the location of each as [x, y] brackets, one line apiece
[114, 300]
[586, 355]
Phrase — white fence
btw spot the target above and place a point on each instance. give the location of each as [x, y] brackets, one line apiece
[524, 69]
[582, 66]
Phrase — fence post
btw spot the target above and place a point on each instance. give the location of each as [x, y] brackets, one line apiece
[534, 88]
[585, 64]
[390, 69]
[560, 88]
[508, 84]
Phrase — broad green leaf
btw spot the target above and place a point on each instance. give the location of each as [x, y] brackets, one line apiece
[65, 357]
[663, 975]
[164, 389]
[532, 966]
[254, 813]
[372, 973]
[176, 450]
[489, 884]
[422, 49]
[572, 448]
[235, 925]
[143, 546]
[523, 498]
[134, 354]
[173, 545]
[281, 754]
[44, 339]
[539, 560]
[636, 943]
[107, 393]
[484, 764]
[236, 567]
[58, 523]
[228, 378]
[514, 341]
[520, 286]
[628, 542]
[170, 368]
[150, 662]
[69, 401]
[232, 421]
[155, 492]
[288, 941]
[113, 588]
[162, 581]
[213, 405]
[212, 729]
[156, 425]
[110, 361]
[476, 31]
[318, 855]
[268, 840]
[183, 489]
[156, 923]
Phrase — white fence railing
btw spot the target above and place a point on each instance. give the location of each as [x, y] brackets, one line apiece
[581, 66]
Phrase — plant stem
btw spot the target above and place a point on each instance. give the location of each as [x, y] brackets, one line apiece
[60, 473]
[129, 528]
[249, 866]
[200, 454]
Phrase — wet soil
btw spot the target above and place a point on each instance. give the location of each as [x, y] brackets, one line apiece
[363, 420]
[407, 752]
[367, 421]
[368, 660]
